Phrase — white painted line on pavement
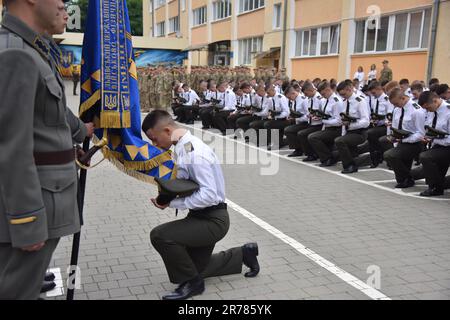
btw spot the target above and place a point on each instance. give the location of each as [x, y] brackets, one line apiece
[310, 254]
[346, 176]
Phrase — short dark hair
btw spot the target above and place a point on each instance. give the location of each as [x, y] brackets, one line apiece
[154, 117]
[245, 85]
[323, 85]
[442, 89]
[404, 81]
[308, 86]
[344, 85]
[434, 87]
[433, 81]
[417, 87]
[427, 97]
[375, 85]
[384, 82]
[396, 92]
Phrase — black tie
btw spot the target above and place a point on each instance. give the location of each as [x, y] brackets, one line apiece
[262, 102]
[435, 120]
[370, 104]
[348, 107]
[273, 104]
[312, 104]
[290, 104]
[326, 105]
[400, 122]
[251, 103]
[376, 108]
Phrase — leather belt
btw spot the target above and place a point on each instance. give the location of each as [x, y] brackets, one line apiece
[219, 206]
[54, 157]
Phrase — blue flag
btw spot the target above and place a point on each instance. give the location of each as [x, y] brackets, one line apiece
[110, 93]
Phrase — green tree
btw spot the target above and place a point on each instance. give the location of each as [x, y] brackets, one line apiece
[134, 12]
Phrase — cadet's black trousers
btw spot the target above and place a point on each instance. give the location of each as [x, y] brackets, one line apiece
[186, 246]
[233, 118]
[220, 120]
[435, 163]
[401, 158]
[206, 114]
[302, 137]
[244, 122]
[322, 142]
[375, 148]
[278, 124]
[348, 146]
[291, 135]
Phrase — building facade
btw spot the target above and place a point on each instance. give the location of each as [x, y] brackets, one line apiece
[310, 38]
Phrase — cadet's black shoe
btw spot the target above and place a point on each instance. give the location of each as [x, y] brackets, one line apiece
[310, 159]
[190, 122]
[187, 290]
[296, 153]
[350, 169]
[329, 163]
[432, 192]
[205, 128]
[250, 253]
[49, 276]
[408, 183]
[47, 286]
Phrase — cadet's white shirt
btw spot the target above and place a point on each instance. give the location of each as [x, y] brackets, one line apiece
[197, 161]
[212, 95]
[228, 100]
[239, 100]
[442, 124]
[191, 97]
[334, 108]
[384, 106]
[358, 109]
[316, 105]
[248, 99]
[278, 89]
[280, 104]
[263, 103]
[413, 121]
[299, 105]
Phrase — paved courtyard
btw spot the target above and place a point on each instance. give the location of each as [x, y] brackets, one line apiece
[322, 235]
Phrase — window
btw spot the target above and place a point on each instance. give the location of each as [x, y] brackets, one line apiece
[200, 16]
[249, 5]
[247, 47]
[277, 16]
[396, 32]
[174, 24]
[318, 41]
[161, 29]
[159, 3]
[221, 9]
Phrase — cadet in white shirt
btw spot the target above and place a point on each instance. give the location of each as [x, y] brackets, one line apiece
[206, 112]
[436, 160]
[278, 118]
[245, 99]
[356, 121]
[296, 104]
[406, 116]
[312, 103]
[226, 106]
[404, 84]
[185, 112]
[258, 101]
[381, 108]
[186, 245]
[322, 141]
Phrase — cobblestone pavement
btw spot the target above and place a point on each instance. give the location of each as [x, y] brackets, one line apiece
[357, 224]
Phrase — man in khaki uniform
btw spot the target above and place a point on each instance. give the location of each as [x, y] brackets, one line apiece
[38, 179]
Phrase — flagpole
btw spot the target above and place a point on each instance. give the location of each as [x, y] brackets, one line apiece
[76, 236]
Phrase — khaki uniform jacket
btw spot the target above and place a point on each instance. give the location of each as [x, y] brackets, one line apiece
[36, 202]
